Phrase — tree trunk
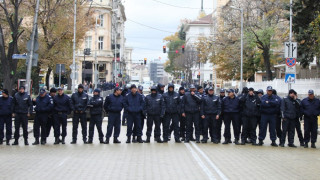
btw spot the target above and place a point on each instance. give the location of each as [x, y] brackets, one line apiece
[267, 64]
[48, 77]
[318, 67]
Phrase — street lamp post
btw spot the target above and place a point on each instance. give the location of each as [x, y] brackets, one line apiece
[241, 71]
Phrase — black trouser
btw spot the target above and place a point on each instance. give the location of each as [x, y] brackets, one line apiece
[124, 116]
[207, 123]
[114, 122]
[217, 124]
[288, 126]
[278, 126]
[50, 123]
[235, 119]
[21, 119]
[192, 119]
[134, 118]
[174, 118]
[157, 122]
[182, 126]
[6, 119]
[299, 132]
[60, 119]
[40, 121]
[249, 128]
[310, 128]
[96, 120]
[79, 117]
[142, 126]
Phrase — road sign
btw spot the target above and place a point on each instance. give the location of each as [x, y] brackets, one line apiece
[290, 78]
[19, 56]
[36, 45]
[74, 67]
[291, 62]
[290, 50]
[291, 70]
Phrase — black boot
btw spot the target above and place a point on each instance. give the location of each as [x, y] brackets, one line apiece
[116, 141]
[254, 143]
[16, 142]
[107, 140]
[147, 140]
[36, 142]
[292, 145]
[186, 140]
[260, 142]
[1, 141]
[274, 144]
[63, 140]
[192, 138]
[134, 140]
[56, 141]
[85, 141]
[236, 142]
[73, 141]
[243, 142]
[128, 139]
[281, 144]
[90, 141]
[101, 141]
[198, 140]
[302, 144]
[8, 142]
[182, 139]
[158, 139]
[43, 141]
[26, 143]
[177, 140]
[139, 139]
[313, 145]
[226, 141]
[305, 145]
[124, 123]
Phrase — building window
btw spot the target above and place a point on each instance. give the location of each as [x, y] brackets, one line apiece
[101, 20]
[100, 43]
[88, 42]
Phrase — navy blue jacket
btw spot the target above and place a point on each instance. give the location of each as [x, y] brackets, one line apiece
[79, 101]
[190, 103]
[154, 104]
[22, 103]
[251, 106]
[290, 108]
[96, 104]
[230, 105]
[134, 103]
[113, 103]
[310, 108]
[44, 104]
[171, 102]
[273, 105]
[62, 103]
[210, 105]
[5, 106]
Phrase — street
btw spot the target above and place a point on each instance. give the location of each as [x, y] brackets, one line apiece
[156, 161]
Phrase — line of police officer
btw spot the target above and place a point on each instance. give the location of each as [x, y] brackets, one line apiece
[188, 113]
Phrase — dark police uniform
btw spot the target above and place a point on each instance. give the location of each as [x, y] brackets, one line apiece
[133, 104]
[190, 105]
[251, 111]
[278, 118]
[182, 119]
[143, 117]
[5, 118]
[289, 108]
[22, 105]
[219, 122]
[113, 105]
[210, 108]
[231, 113]
[154, 107]
[96, 105]
[44, 106]
[310, 109]
[79, 103]
[269, 109]
[50, 122]
[62, 107]
[172, 103]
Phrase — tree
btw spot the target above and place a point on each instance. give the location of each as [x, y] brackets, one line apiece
[10, 33]
[184, 62]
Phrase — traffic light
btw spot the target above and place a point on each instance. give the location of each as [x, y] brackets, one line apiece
[87, 51]
[145, 61]
[182, 47]
[164, 49]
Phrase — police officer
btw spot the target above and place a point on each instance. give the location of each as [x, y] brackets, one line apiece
[171, 102]
[44, 105]
[269, 109]
[278, 116]
[231, 112]
[289, 108]
[114, 105]
[134, 104]
[260, 93]
[134, 140]
[62, 107]
[155, 108]
[219, 121]
[79, 103]
[251, 108]
[160, 88]
[210, 112]
[191, 111]
[50, 122]
[5, 116]
[125, 114]
[22, 108]
[310, 108]
[182, 119]
[96, 105]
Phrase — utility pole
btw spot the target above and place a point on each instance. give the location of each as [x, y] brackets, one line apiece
[95, 73]
[290, 35]
[29, 68]
[114, 22]
[60, 75]
[74, 47]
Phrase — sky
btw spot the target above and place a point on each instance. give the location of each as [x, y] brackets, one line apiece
[164, 15]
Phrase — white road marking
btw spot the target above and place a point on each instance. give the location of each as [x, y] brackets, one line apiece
[200, 162]
[62, 162]
[209, 161]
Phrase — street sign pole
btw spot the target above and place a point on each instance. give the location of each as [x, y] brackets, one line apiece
[74, 47]
[290, 38]
[29, 68]
[60, 75]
